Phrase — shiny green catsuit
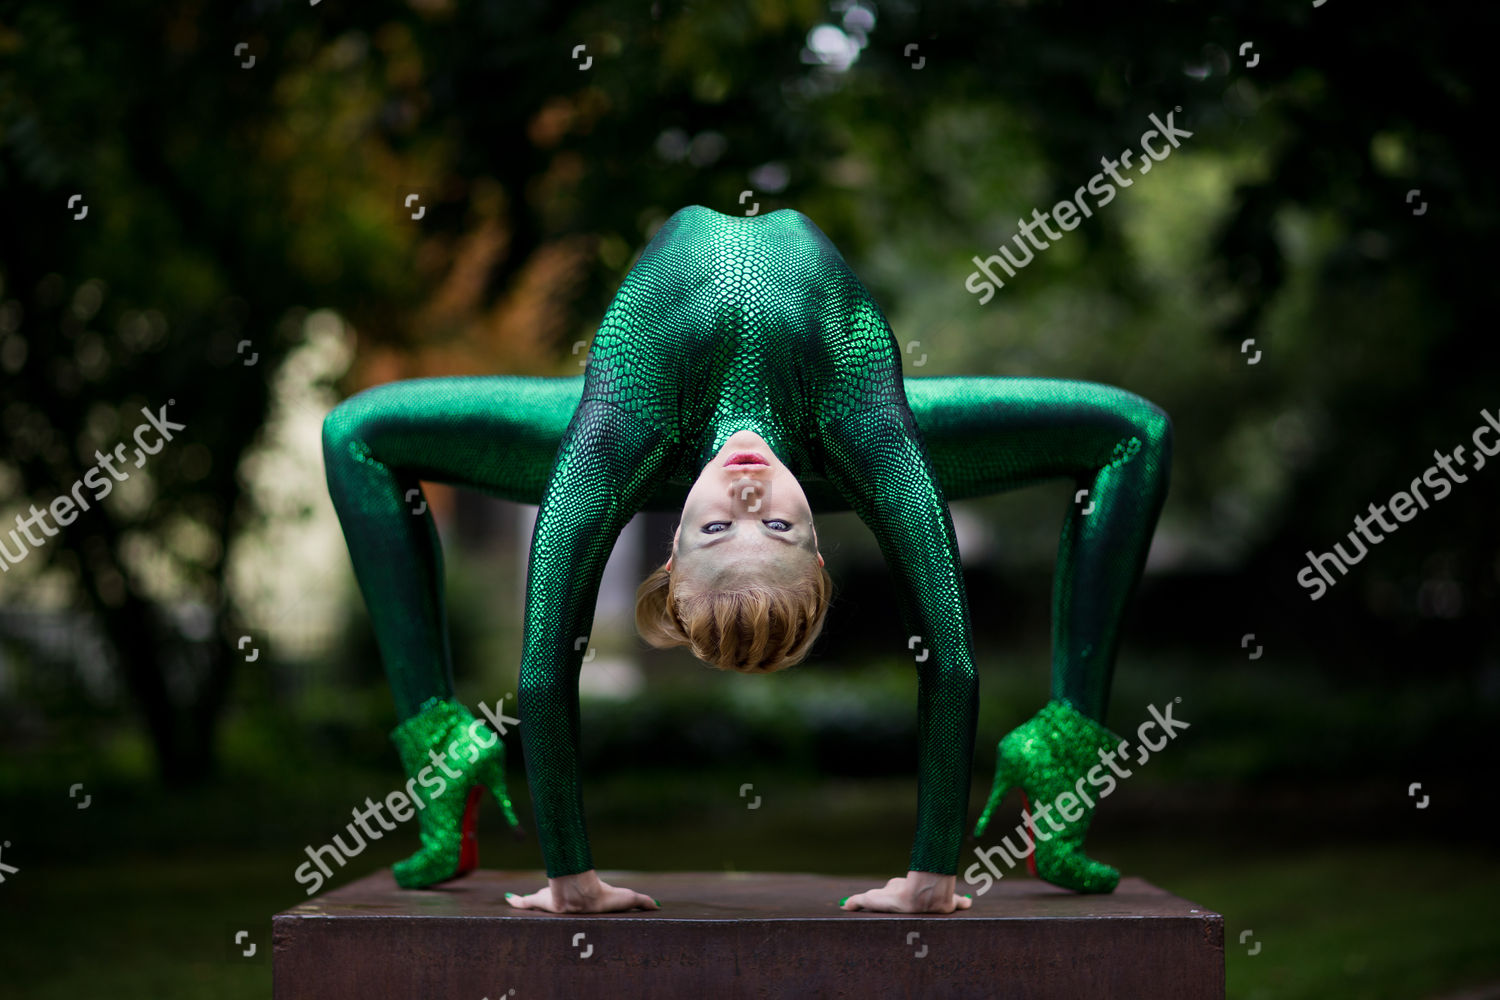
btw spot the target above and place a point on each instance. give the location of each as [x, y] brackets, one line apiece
[723, 324]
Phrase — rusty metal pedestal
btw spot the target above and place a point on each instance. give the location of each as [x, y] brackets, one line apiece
[729, 936]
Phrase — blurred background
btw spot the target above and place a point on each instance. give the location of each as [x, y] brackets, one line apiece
[246, 211]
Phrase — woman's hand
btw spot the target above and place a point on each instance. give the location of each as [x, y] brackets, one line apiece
[584, 893]
[918, 892]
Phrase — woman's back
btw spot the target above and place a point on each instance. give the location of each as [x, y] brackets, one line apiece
[729, 323]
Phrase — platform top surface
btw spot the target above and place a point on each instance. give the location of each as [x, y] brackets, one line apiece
[714, 896]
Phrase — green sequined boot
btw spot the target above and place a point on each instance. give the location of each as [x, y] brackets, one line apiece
[1054, 759]
[450, 758]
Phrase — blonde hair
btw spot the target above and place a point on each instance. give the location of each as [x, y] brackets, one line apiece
[756, 628]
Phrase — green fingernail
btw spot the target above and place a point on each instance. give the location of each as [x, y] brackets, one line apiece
[509, 895]
[844, 900]
[656, 901]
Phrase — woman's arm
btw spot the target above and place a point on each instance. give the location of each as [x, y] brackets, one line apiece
[608, 463]
[875, 458]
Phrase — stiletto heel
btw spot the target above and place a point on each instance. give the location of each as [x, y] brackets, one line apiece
[1055, 753]
[492, 776]
[1004, 782]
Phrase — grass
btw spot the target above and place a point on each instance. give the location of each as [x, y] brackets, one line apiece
[1284, 808]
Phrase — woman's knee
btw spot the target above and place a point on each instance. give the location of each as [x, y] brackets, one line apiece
[347, 427]
[1140, 427]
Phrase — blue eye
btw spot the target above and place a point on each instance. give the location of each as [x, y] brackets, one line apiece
[776, 524]
[714, 527]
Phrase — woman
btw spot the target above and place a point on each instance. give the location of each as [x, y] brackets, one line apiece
[743, 372]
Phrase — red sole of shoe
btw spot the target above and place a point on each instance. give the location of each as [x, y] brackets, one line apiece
[468, 851]
[1031, 829]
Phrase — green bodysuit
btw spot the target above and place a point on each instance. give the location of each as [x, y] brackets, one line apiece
[724, 324]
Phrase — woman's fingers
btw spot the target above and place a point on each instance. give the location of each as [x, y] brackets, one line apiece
[876, 901]
[880, 904]
[540, 900]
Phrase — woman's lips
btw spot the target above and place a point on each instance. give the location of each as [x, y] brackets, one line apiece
[745, 458]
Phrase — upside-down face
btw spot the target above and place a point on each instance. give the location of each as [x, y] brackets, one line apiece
[746, 516]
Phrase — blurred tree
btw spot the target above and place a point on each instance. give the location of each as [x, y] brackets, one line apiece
[222, 197]
[227, 198]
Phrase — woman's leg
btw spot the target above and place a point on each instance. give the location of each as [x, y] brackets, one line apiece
[498, 434]
[989, 435]
[985, 435]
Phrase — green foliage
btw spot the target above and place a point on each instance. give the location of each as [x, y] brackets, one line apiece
[225, 203]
